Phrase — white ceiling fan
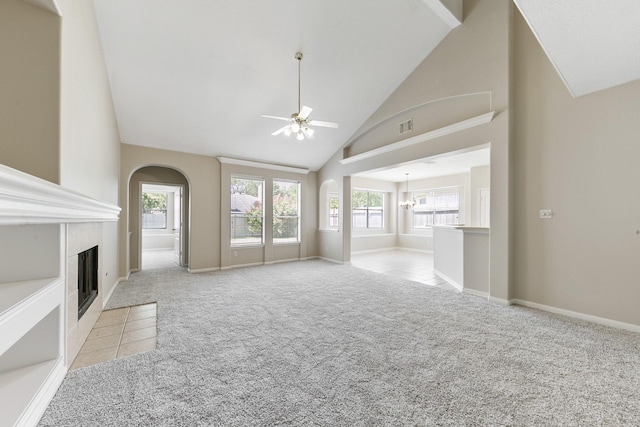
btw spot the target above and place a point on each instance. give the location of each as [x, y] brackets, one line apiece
[299, 122]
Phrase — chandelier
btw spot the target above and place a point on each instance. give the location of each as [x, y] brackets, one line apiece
[407, 204]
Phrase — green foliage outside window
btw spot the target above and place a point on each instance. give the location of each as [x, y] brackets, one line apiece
[154, 202]
[285, 210]
[247, 218]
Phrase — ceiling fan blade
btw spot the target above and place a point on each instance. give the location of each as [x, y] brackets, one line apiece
[304, 112]
[276, 117]
[279, 131]
[323, 124]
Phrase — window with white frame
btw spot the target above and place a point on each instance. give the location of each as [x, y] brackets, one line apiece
[247, 211]
[334, 205]
[367, 209]
[436, 206]
[286, 211]
[154, 210]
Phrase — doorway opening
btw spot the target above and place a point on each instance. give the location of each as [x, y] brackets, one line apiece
[448, 189]
[161, 225]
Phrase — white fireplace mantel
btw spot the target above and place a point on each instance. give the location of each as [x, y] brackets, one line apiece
[25, 199]
[34, 214]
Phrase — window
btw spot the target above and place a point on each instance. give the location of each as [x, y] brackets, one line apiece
[154, 211]
[439, 206]
[334, 206]
[247, 213]
[367, 211]
[286, 211]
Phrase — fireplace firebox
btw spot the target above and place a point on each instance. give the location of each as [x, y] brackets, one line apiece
[87, 279]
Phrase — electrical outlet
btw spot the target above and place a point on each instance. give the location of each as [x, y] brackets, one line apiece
[546, 213]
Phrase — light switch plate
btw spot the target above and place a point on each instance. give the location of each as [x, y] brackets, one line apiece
[546, 213]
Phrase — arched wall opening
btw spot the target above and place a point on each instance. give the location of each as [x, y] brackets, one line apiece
[161, 175]
[329, 206]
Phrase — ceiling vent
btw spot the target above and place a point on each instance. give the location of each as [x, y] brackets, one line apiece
[405, 127]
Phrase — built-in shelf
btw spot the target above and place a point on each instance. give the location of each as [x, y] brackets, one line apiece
[16, 293]
[29, 302]
[34, 218]
[19, 386]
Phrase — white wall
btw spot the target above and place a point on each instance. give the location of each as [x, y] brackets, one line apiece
[89, 136]
[479, 178]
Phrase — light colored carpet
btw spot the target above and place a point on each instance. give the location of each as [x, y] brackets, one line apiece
[313, 343]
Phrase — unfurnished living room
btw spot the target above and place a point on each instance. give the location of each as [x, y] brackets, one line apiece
[333, 213]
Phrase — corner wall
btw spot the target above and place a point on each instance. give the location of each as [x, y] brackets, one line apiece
[579, 158]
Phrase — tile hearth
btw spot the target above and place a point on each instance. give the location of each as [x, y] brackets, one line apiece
[118, 333]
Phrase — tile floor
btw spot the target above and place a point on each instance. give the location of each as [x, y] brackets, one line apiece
[118, 333]
[411, 265]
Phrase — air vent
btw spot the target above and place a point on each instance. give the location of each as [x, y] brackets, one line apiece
[405, 127]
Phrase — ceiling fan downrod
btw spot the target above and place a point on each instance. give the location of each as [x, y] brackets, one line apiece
[299, 58]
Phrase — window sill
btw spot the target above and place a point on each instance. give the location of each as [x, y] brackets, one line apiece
[329, 230]
[367, 235]
[286, 243]
[247, 245]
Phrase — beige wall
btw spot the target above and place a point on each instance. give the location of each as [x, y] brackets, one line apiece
[203, 175]
[578, 157]
[30, 89]
[473, 58]
[209, 206]
[56, 113]
[269, 252]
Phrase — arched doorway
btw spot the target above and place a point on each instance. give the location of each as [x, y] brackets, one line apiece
[158, 218]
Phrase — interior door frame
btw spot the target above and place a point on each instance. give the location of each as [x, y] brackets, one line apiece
[141, 184]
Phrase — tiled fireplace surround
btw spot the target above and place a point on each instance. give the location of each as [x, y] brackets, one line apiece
[81, 237]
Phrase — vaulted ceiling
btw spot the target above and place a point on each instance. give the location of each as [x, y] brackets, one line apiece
[196, 75]
[594, 44]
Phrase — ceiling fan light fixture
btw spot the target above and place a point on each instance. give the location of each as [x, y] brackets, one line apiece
[299, 121]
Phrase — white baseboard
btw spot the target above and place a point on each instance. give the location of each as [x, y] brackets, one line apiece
[474, 292]
[41, 400]
[500, 301]
[582, 316]
[203, 270]
[449, 280]
[280, 261]
[335, 261]
[113, 288]
[252, 264]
